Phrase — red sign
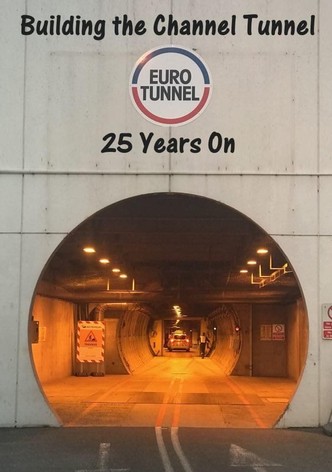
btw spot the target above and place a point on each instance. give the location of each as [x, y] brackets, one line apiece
[278, 332]
[327, 333]
[327, 321]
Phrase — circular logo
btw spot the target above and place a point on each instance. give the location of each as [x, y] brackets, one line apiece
[329, 312]
[170, 86]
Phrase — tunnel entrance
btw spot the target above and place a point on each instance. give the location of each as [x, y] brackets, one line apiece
[137, 272]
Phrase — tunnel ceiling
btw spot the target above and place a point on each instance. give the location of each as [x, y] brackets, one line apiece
[175, 250]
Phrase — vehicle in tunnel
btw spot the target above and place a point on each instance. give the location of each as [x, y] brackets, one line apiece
[178, 341]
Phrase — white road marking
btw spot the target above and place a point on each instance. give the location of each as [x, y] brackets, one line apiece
[104, 455]
[103, 460]
[178, 449]
[240, 457]
[162, 450]
[174, 433]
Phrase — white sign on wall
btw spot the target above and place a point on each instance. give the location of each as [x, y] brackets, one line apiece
[90, 341]
[278, 332]
[327, 321]
[273, 332]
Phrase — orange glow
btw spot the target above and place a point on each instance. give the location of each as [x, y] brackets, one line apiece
[251, 262]
[104, 261]
[89, 250]
[262, 251]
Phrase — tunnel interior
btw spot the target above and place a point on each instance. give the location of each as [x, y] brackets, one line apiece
[151, 265]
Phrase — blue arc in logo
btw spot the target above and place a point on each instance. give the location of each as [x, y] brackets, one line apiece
[183, 114]
[170, 49]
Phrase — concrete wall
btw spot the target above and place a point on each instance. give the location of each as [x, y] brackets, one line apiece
[267, 357]
[113, 360]
[244, 362]
[128, 342]
[228, 343]
[297, 334]
[59, 95]
[128, 329]
[133, 338]
[52, 355]
[156, 337]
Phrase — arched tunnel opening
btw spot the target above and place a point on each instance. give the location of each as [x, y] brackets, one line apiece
[121, 305]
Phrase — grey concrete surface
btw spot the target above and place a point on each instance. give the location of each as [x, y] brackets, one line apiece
[164, 449]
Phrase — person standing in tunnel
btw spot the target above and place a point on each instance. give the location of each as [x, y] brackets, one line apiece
[203, 340]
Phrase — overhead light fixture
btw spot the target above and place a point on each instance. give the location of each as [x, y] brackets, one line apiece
[116, 270]
[252, 262]
[89, 250]
[264, 280]
[177, 310]
[104, 261]
[262, 250]
[243, 271]
[123, 276]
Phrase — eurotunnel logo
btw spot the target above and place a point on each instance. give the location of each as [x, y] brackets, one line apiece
[170, 86]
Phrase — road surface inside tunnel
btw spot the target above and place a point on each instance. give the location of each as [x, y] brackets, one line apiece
[178, 390]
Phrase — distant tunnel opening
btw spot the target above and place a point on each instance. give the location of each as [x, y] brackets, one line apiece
[150, 256]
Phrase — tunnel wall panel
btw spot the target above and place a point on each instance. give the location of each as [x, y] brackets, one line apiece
[269, 354]
[296, 339]
[228, 345]
[113, 360]
[133, 339]
[244, 363]
[36, 249]
[9, 316]
[156, 337]
[52, 354]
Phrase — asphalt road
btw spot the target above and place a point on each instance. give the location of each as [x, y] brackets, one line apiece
[164, 449]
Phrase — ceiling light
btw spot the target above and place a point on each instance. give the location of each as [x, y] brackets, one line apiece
[177, 310]
[251, 262]
[123, 276]
[243, 271]
[262, 250]
[89, 250]
[116, 270]
[104, 261]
